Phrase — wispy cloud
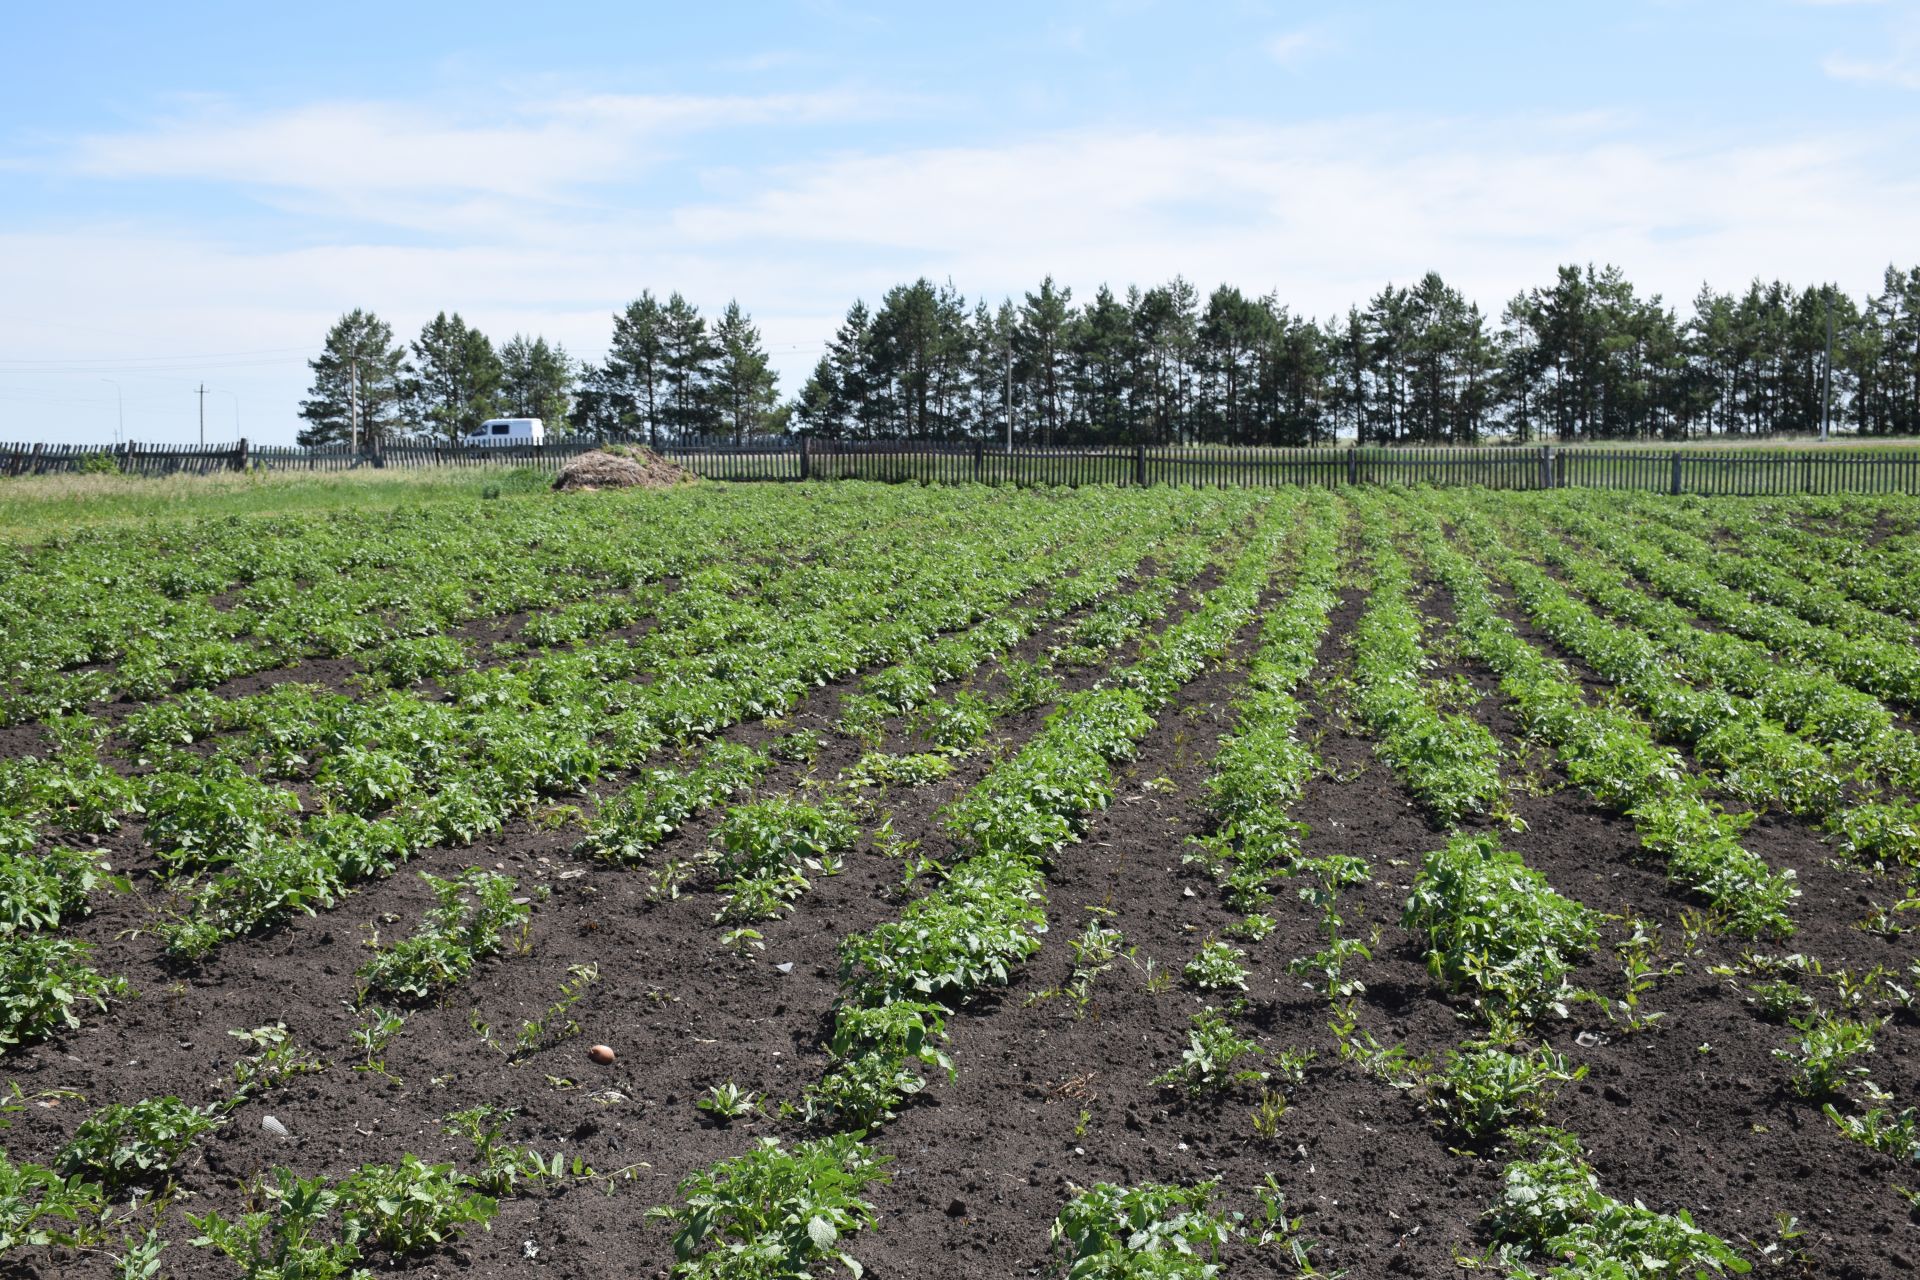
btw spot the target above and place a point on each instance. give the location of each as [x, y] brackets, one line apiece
[529, 150]
[1901, 71]
[1323, 213]
[1897, 63]
[1290, 48]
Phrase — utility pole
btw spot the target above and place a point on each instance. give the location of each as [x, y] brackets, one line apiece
[1009, 399]
[1826, 388]
[203, 415]
[353, 406]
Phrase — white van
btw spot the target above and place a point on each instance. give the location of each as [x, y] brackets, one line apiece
[507, 431]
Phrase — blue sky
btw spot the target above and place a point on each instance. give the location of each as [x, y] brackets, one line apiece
[193, 193]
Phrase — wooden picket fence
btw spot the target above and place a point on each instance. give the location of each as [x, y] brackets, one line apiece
[1675, 471]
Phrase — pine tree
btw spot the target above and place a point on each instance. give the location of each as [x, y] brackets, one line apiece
[744, 383]
[536, 381]
[636, 368]
[458, 383]
[687, 361]
[1040, 348]
[360, 367]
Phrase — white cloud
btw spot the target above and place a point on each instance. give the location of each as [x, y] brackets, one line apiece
[1291, 47]
[1898, 64]
[1902, 71]
[529, 149]
[1322, 213]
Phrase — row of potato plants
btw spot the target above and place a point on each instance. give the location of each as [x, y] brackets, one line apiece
[1260, 769]
[119, 614]
[1448, 760]
[900, 979]
[246, 862]
[1885, 668]
[636, 820]
[1867, 749]
[1496, 930]
[1763, 763]
[763, 849]
[1832, 559]
[1611, 754]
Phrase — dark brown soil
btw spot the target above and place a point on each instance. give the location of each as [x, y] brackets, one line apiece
[1691, 1113]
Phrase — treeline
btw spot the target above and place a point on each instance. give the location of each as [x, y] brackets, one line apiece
[1585, 358]
[668, 374]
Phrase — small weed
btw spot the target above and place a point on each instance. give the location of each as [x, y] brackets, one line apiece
[728, 1102]
[1212, 1061]
[1821, 1055]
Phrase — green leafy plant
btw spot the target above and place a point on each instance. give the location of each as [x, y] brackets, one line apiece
[289, 1236]
[44, 982]
[472, 915]
[142, 1258]
[1481, 1091]
[410, 1207]
[653, 808]
[1212, 1061]
[774, 1211]
[1777, 998]
[556, 1022]
[135, 1142]
[275, 1060]
[1495, 926]
[1094, 952]
[763, 851]
[375, 1031]
[40, 1207]
[504, 1167]
[1552, 1208]
[728, 1102]
[38, 891]
[1639, 954]
[882, 1055]
[1268, 1113]
[1218, 966]
[1152, 1231]
[1822, 1053]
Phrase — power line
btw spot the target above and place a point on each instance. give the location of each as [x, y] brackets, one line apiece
[136, 360]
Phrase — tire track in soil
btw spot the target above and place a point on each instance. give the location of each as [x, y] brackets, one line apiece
[678, 1026]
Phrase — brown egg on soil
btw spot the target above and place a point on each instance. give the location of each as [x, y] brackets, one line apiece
[601, 1054]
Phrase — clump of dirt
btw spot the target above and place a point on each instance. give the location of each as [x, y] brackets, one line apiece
[621, 467]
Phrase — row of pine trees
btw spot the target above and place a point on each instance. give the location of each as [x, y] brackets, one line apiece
[1585, 358]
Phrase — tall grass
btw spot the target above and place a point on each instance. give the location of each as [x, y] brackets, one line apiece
[36, 507]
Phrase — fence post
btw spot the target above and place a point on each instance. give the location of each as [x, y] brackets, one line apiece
[1353, 465]
[240, 455]
[1546, 466]
[1140, 463]
[979, 461]
[1676, 473]
[806, 459]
